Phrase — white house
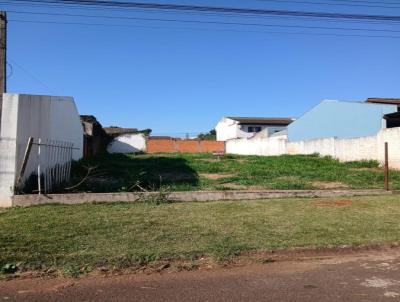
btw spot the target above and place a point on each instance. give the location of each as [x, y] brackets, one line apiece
[246, 127]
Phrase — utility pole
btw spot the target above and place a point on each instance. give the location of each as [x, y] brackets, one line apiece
[3, 52]
[3, 58]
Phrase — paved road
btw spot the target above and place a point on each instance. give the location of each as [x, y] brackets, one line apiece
[372, 276]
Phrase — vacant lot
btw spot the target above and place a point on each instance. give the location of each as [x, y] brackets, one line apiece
[231, 172]
[80, 238]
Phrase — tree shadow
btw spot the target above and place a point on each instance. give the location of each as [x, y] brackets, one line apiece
[122, 147]
[127, 172]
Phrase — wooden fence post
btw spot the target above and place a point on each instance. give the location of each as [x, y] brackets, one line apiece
[24, 162]
[386, 167]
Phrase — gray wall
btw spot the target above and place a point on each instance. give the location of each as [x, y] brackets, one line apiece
[24, 116]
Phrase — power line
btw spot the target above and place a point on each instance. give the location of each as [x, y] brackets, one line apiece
[11, 70]
[285, 18]
[185, 28]
[344, 3]
[365, 1]
[210, 22]
[379, 5]
[31, 75]
[219, 9]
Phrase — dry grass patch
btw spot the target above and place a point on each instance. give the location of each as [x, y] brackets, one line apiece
[287, 178]
[333, 203]
[375, 169]
[208, 160]
[329, 185]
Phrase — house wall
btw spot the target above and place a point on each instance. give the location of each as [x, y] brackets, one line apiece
[128, 143]
[226, 129]
[243, 130]
[230, 129]
[339, 119]
[361, 148]
[24, 116]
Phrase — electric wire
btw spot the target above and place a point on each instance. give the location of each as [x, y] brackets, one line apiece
[208, 22]
[29, 74]
[220, 9]
[204, 29]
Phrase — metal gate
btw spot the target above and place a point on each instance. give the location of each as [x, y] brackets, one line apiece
[50, 160]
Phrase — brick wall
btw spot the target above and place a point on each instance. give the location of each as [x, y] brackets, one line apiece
[184, 146]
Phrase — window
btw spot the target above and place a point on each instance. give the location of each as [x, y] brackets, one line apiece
[254, 129]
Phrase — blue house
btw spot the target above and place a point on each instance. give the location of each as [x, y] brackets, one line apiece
[342, 120]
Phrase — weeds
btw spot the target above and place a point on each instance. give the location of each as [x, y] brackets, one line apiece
[158, 197]
[188, 172]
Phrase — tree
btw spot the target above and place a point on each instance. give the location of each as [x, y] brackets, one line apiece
[210, 136]
[146, 132]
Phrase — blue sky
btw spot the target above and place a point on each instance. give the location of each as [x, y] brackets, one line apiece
[181, 78]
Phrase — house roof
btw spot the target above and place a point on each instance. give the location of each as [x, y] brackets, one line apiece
[391, 101]
[91, 126]
[263, 120]
[394, 115]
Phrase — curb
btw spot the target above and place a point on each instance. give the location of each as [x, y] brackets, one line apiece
[81, 198]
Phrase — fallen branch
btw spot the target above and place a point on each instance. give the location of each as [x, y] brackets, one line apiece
[89, 170]
[137, 184]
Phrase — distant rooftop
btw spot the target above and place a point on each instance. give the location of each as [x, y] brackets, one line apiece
[391, 101]
[263, 120]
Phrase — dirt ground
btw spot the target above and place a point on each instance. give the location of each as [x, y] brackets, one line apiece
[367, 275]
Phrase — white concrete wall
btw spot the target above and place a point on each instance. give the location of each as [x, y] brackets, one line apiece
[324, 147]
[362, 148]
[128, 143]
[7, 170]
[256, 146]
[45, 117]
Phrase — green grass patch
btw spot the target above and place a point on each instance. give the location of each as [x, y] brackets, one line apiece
[186, 172]
[77, 239]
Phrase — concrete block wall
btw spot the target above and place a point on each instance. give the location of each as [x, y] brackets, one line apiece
[365, 148]
[392, 136]
[324, 147]
[24, 116]
[7, 168]
[256, 146]
[361, 148]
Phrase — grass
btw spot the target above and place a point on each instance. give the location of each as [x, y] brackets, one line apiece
[77, 239]
[185, 172]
